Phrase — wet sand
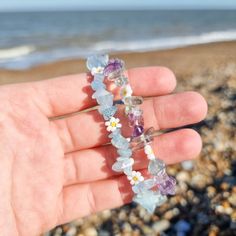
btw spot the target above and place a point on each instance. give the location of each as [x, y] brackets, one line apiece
[183, 61]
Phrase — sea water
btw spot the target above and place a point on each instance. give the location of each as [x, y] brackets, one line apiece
[31, 38]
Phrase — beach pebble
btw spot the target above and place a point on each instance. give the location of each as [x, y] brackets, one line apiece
[127, 227]
[147, 230]
[71, 232]
[199, 181]
[103, 233]
[182, 226]
[106, 214]
[183, 176]
[187, 165]
[232, 200]
[171, 213]
[161, 226]
[90, 232]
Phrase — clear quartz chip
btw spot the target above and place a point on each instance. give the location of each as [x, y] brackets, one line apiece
[137, 143]
[133, 101]
[121, 81]
[156, 166]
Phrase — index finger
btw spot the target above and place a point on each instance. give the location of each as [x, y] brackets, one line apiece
[72, 93]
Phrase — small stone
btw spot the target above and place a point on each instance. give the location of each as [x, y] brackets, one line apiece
[103, 233]
[187, 165]
[127, 228]
[183, 176]
[232, 199]
[202, 218]
[211, 191]
[106, 214]
[147, 230]
[171, 213]
[199, 180]
[182, 226]
[233, 225]
[90, 231]
[161, 226]
[71, 232]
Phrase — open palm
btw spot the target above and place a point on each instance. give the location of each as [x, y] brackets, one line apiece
[54, 166]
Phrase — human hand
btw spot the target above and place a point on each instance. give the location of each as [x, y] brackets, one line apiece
[55, 170]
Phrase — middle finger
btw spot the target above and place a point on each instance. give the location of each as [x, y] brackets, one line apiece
[87, 130]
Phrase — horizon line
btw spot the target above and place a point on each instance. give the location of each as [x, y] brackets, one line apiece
[112, 9]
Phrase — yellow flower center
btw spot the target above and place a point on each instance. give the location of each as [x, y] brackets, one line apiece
[150, 152]
[113, 124]
[98, 69]
[135, 178]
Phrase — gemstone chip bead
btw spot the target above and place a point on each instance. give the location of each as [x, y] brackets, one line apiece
[156, 166]
[114, 69]
[96, 61]
[150, 200]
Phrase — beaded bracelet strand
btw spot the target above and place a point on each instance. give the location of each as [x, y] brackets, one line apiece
[149, 193]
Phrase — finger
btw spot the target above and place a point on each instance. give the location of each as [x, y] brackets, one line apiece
[171, 147]
[87, 130]
[84, 199]
[72, 93]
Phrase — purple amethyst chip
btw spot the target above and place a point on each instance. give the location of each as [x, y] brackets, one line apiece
[114, 68]
[167, 186]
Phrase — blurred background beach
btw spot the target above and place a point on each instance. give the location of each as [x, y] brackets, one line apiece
[196, 40]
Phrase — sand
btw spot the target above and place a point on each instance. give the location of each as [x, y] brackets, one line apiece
[184, 62]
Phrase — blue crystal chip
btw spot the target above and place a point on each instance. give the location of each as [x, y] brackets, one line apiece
[97, 61]
[107, 112]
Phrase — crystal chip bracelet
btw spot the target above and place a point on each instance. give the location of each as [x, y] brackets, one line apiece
[151, 192]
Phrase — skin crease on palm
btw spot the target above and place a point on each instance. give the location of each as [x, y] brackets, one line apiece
[54, 166]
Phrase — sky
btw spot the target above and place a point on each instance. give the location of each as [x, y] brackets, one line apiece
[12, 5]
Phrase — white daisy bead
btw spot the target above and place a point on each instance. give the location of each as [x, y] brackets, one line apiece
[126, 91]
[135, 177]
[113, 124]
[149, 152]
[97, 70]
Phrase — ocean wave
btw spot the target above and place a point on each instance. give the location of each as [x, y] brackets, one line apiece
[165, 43]
[26, 56]
[15, 52]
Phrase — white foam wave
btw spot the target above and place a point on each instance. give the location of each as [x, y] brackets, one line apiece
[26, 56]
[15, 52]
[165, 43]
